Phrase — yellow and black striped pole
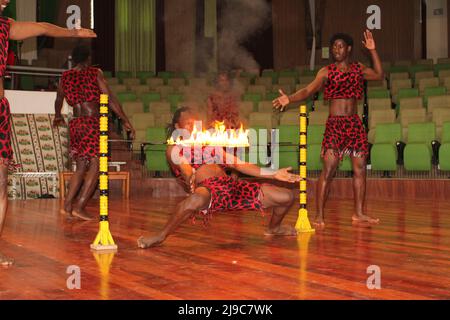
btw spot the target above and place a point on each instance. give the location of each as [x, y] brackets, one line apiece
[104, 240]
[303, 225]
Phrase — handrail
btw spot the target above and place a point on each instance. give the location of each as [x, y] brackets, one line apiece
[12, 69]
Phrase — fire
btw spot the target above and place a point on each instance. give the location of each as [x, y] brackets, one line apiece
[218, 137]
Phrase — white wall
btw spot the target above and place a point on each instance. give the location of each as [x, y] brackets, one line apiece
[32, 102]
[437, 38]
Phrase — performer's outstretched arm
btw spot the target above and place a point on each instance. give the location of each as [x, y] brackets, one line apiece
[59, 120]
[255, 171]
[282, 102]
[25, 30]
[115, 104]
[377, 72]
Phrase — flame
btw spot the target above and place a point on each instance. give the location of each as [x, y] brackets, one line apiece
[218, 137]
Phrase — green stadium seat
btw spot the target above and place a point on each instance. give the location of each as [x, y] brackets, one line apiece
[418, 151]
[433, 92]
[379, 94]
[315, 138]
[166, 75]
[148, 98]
[156, 153]
[444, 151]
[126, 97]
[289, 146]
[257, 153]
[121, 75]
[107, 74]
[144, 75]
[253, 97]
[174, 99]
[384, 152]
[408, 93]
[346, 165]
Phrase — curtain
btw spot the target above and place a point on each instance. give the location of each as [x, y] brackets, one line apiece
[135, 35]
[312, 8]
[26, 11]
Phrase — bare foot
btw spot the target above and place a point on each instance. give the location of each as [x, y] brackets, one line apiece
[66, 210]
[318, 223]
[145, 243]
[81, 214]
[364, 218]
[284, 231]
[5, 261]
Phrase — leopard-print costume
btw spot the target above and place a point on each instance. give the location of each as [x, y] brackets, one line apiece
[80, 86]
[344, 85]
[224, 108]
[345, 135]
[229, 194]
[6, 152]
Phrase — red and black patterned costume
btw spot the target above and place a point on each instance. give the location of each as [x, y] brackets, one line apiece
[227, 193]
[225, 108]
[80, 86]
[6, 152]
[345, 135]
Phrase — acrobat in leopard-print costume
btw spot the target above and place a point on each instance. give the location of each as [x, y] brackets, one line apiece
[80, 86]
[345, 135]
[6, 152]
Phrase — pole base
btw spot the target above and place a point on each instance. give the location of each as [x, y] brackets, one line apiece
[105, 249]
[303, 225]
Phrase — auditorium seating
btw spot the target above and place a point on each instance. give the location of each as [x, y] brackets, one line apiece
[384, 153]
[418, 151]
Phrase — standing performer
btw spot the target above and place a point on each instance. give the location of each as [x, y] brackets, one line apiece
[345, 133]
[82, 87]
[213, 191]
[223, 103]
[12, 30]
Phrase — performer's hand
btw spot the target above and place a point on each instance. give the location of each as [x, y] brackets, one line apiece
[281, 102]
[285, 176]
[59, 122]
[369, 42]
[129, 128]
[85, 33]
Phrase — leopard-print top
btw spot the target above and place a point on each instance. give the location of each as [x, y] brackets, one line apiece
[81, 86]
[344, 85]
[5, 26]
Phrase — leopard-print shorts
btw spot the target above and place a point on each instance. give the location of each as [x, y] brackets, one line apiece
[345, 135]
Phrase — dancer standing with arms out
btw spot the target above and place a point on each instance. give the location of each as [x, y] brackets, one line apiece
[82, 87]
[213, 191]
[345, 134]
[12, 30]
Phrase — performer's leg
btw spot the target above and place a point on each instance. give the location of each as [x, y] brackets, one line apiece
[198, 201]
[359, 190]
[87, 190]
[331, 162]
[280, 201]
[4, 261]
[74, 186]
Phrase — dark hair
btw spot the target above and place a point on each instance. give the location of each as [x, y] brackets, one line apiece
[176, 119]
[80, 54]
[220, 74]
[342, 36]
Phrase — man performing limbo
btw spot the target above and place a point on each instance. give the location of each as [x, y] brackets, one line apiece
[213, 191]
[12, 30]
[345, 134]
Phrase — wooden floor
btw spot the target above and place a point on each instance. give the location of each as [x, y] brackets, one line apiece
[231, 259]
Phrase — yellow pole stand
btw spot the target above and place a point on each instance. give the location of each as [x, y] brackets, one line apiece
[303, 225]
[104, 240]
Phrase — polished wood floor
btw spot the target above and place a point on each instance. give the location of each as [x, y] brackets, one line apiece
[231, 259]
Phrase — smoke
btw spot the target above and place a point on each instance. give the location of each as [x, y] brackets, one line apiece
[241, 19]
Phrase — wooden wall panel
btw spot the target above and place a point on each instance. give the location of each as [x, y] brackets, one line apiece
[289, 34]
[180, 22]
[397, 39]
